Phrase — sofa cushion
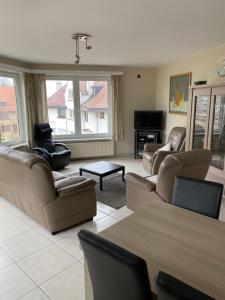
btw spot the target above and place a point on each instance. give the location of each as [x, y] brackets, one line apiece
[57, 175]
[167, 147]
[152, 179]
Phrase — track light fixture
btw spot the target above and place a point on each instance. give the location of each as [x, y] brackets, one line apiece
[80, 37]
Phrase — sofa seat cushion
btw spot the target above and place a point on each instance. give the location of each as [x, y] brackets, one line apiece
[57, 175]
[152, 179]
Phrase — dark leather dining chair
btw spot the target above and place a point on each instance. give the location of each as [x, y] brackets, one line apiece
[201, 196]
[170, 288]
[57, 154]
[115, 273]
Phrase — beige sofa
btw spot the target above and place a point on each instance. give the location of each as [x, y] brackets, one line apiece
[140, 191]
[26, 180]
[153, 157]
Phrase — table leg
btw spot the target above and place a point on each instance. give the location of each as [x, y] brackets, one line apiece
[101, 185]
[123, 173]
[80, 172]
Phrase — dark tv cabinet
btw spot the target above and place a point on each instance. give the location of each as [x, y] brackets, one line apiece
[141, 137]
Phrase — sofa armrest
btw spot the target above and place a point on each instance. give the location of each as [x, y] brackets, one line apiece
[141, 182]
[151, 147]
[75, 188]
[158, 159]
[68, 181]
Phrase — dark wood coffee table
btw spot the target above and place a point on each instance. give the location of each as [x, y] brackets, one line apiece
[103, 169]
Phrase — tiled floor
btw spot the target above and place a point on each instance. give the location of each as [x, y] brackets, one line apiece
[34, 265]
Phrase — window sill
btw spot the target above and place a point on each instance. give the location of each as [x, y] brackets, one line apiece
[15, 146]
[86, 140]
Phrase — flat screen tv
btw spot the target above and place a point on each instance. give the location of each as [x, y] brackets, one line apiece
[148, 119]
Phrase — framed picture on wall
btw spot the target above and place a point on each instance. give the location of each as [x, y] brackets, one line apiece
[179, 85]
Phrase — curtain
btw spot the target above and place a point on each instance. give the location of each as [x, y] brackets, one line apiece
[117, 109]
[36, 102]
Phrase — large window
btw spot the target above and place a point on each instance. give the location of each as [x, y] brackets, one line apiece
[11, 119]
[79, 108]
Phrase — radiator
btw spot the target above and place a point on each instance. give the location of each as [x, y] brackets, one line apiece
[91, 149]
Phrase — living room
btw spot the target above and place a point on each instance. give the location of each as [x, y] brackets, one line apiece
[88, 75]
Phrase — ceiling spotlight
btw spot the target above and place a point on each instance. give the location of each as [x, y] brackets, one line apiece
[80, 37]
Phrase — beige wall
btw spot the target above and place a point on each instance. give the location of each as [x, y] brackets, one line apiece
[202, 67]
[137, 94]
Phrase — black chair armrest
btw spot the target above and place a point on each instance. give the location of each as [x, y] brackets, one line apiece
[41, 151]
[61, 145]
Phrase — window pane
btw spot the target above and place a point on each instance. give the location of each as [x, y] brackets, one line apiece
[61, 106]
[9, 124]
[94, 107]
[200, 122]
[218, 133]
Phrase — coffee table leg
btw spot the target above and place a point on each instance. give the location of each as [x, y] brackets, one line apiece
[101, 185]
[123, 173]
[80, 172]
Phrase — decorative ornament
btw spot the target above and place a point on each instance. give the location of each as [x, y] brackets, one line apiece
[220, 67]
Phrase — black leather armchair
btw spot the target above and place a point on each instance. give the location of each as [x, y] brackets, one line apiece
[57, 154]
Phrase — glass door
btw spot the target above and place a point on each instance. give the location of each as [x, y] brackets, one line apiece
[200, 115]
[217, 131]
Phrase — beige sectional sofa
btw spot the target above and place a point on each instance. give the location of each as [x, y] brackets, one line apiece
[141, 191]
[27, 181]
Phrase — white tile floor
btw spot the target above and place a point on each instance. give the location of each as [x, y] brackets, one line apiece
[34, 265]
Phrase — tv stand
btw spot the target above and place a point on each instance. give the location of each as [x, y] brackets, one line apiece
[141, 137]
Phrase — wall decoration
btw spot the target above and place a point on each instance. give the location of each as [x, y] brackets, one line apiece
[179, 85]
[220, 67]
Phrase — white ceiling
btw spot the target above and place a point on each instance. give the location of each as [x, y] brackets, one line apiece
[125, 32]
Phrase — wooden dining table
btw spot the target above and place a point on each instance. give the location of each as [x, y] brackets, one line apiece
[187, 245]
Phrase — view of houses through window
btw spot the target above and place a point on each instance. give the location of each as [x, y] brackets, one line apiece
[9, 123]
[61, 106]
[93, 104]
[84, 111]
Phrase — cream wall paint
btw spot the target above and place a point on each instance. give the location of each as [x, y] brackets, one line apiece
[137, 94]
[202, 67]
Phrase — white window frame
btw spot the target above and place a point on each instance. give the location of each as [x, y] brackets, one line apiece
[20, 105]
[77, 113]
